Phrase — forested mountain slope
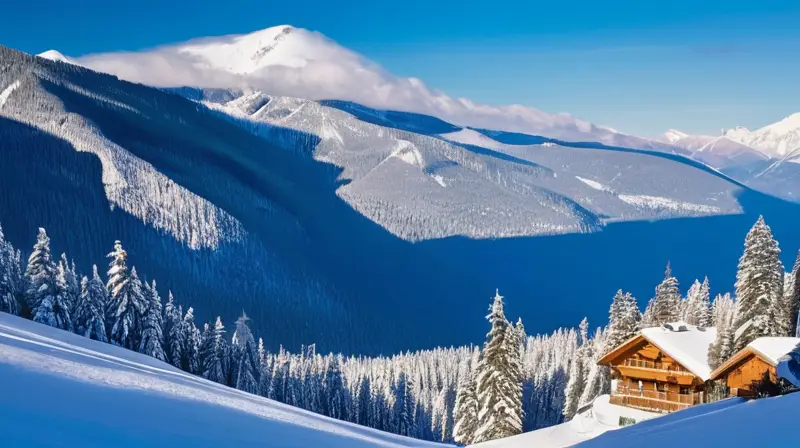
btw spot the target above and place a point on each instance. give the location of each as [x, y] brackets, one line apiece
[327, 228]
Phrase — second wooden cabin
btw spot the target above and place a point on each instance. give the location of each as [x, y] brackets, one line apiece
[747, 368]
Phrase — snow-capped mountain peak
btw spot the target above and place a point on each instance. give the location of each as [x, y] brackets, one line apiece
[672, 136]
[55, 55]
[294, 62]
[778, 140]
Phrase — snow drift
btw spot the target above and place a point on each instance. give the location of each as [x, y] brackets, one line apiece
[90, 394]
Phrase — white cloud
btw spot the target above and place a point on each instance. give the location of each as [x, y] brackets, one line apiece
[300, 63]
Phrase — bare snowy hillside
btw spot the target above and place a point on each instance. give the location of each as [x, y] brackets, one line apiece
[421, 185]
[92, 394]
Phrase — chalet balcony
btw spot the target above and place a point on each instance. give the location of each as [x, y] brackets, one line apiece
[655, 371]
[657, 401]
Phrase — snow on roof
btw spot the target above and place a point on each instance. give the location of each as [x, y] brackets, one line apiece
[689, 347]
[772, 349]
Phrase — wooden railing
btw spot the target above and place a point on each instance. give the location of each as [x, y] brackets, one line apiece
[646, 364]
[655, 400]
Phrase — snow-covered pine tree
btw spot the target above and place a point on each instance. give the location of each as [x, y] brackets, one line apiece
[514, 348]
[216, 352]
[191, 348]
[795, 300]
[335, 404]
[173, 334]
[722, 348]
[245, 357]
[206, 352]
[624, 319]
[785, 311]
[703, 312]
[648, 319]
[68, 287]
[723, 310]
[577, 372]
[497, 412]
[126, 299]
[465, 412]
[40, 277]
[403, 408]
[697, 309]
[599, 377]
[759, 286]
[667, 301]
[90, 311]
[152, 336]
[10, 277]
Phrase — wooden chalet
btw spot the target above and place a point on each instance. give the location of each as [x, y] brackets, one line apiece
[662, 369]
[745, 369]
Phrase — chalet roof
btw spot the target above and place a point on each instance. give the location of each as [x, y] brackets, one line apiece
[686, 344]
[769, 349]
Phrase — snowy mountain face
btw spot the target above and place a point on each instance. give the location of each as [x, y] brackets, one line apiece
[464, 183]
[288, 61]
[765, 159]
[779, 140]
[718, 152]
[368, 223]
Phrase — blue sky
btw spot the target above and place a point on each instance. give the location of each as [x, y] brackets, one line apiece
[640, 67]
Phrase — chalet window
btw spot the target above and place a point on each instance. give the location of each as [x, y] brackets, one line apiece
[685, 390]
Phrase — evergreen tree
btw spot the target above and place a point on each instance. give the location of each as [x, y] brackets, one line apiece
[335, 404]
[40, 278]
[598, 380]
[697, 309]
[794, 308]
[665, 306]
[126, 299]
[67, 284]
[759, 286]
[785, 311]
[191, 343]
[245, 357]
[465, 412]
[722, 348]
[623, 319]
[498, 415]
[10, 277]
[173, 335]
[152, 336]
[403, 407]
[577, 372]
[215, 363]
[90, 311]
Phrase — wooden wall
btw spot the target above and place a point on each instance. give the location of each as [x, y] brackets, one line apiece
[749, 371]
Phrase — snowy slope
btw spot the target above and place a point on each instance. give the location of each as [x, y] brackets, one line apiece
[91, 394]
[602, 417]
[289, 61]
[768, 422]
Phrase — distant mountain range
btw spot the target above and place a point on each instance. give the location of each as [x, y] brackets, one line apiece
[288, 61]
[338, 222]
[767, 159]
